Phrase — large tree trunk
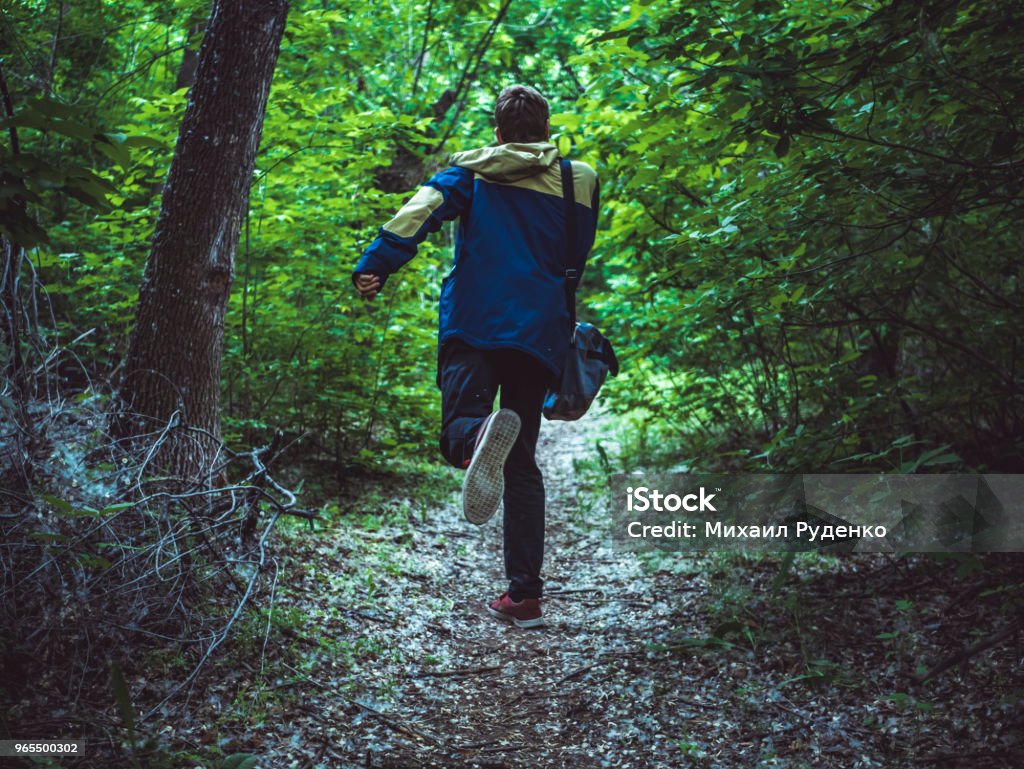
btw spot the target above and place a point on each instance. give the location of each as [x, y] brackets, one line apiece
[172, 374]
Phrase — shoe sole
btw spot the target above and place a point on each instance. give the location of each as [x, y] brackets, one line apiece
[484, 485]
[526, 623]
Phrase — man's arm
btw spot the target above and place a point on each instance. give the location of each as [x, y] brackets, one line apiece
[446, 196]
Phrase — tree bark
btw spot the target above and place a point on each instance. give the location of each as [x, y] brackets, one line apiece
[171, 386]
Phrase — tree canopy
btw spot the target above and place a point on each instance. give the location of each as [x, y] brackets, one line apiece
[808, 245]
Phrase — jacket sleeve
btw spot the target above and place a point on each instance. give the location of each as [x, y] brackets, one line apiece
[446, 196]
[590, 230]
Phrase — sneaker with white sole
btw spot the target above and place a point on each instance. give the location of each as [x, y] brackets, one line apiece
[524, 613]
[484, 484]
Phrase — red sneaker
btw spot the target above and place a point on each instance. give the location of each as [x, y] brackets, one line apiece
[525, 613]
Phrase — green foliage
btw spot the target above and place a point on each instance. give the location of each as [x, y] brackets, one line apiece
[240, 761]
[808, 255]
[811, 249]
[155, 754]
[34, 172]
[354, 381]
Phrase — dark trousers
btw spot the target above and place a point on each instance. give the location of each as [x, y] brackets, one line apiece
[469, 379]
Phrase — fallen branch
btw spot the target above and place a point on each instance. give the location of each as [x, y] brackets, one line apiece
[457, 672]
[558, 594]
[608, 655]
[575, 673]
[965, 654]
[386, 719]
[394, 725]
[960, 757]
[491, 746]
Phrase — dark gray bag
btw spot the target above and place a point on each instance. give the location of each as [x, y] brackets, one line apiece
[590, 356]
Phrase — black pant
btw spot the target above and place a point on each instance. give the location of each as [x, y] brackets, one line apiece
[469, 379]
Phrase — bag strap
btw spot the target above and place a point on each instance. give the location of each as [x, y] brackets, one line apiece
[572, 276]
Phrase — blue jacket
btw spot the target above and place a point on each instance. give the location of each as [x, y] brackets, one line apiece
[506, 288]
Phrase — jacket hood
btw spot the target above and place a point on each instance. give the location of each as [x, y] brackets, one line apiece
[508, 162]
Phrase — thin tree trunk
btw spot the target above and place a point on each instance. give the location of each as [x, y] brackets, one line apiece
[17, 477]
[51, 70]
[12, 257]
[189, 63]
[172, 373]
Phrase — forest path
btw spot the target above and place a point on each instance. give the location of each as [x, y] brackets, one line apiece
[394, 663]
[434, 680]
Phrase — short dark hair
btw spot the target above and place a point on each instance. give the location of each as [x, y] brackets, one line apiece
[521, 114]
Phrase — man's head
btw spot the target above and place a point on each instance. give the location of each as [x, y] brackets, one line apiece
[521, 115]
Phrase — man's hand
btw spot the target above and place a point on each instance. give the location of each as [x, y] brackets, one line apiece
[368, 285]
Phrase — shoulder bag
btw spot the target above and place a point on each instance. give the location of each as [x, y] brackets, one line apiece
[590, 358]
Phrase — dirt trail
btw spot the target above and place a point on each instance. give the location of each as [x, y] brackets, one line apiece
[459, 688]
[698, 663]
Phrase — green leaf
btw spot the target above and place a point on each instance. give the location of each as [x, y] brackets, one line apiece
[240, 761]
[59, 505]
[117, 507]
[84, 512]
[938, 456]
[113, 146]
[124, 701]
[785, 566]
[93, 561]
[48, 536]
[144, 141]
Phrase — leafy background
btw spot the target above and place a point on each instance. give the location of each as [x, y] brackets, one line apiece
[808, 251]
